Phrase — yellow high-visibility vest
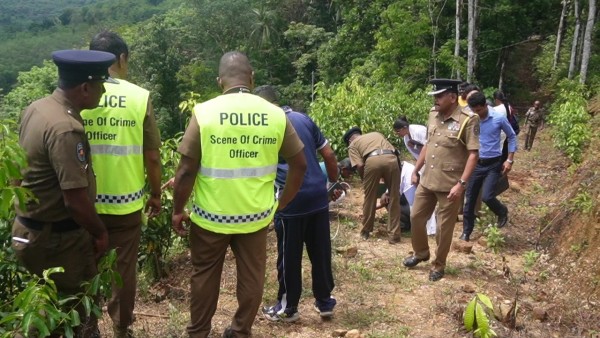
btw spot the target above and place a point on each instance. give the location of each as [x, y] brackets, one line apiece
[116, 133]
[240, 136]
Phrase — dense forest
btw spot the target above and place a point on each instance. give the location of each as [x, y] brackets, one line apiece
[324, 56]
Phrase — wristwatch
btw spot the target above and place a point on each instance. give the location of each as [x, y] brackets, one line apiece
[510, 161]
[462, 182]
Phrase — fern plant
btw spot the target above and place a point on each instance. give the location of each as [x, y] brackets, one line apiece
[477, 316]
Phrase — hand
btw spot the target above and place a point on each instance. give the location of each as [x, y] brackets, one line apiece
[100, 244]
[414, 179]
[506, 167]
[384, 199]
[178, 221]
[456, 192]
[337, 193]
[153, 206]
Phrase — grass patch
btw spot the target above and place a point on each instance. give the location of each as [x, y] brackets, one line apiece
[363, 317]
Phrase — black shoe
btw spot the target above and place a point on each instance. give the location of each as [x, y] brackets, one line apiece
[364, 235]
[464, 237]
[413, 260]
[503, 219]
[228, 333]
[435, 276]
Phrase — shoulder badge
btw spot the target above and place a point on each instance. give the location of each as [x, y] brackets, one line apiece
[476, 130]
[80, 152]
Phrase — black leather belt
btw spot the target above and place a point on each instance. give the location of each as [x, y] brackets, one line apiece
[60, 226]
[381, 152]
[486, 161]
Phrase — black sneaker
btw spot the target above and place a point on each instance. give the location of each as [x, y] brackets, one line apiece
[325, 308]
[276, 313]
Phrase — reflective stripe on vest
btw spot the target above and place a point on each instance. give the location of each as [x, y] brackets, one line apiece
[238, 172]
[231, 219]
[108, 149]
[119, 199]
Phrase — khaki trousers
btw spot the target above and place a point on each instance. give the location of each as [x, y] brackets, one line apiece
[124, 236]
[208, 254]
[73, 250]
[425, 202]
[386, 167]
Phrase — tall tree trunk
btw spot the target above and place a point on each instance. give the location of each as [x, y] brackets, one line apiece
[587, 41]
[504, 54]
[559, 35]
[575, 42]
[434, 31]
[457, 38]
[471, 41]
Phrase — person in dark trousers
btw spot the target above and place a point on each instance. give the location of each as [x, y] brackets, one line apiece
[304, 221]
[489, 166]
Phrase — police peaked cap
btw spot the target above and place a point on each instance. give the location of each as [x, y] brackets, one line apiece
[79, 66]
[442, 85]
[352, 131]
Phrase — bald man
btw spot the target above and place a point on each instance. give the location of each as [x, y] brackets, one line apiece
[229, 156]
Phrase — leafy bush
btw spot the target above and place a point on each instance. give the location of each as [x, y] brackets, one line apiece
[371, 106]
[570, 118]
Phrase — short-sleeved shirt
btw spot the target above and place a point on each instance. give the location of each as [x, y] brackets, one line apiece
[446, 153]
[312, 196]
[365, 144]
[58, 153]
[418, 135]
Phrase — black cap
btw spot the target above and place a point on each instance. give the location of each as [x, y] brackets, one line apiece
[442, 85]
[350, 132]
[79, 66]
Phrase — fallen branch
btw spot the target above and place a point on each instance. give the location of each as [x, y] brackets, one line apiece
[149, 315]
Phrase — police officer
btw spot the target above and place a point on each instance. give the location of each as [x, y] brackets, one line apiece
[125, 140]
[60, 228]
[229, 156]
[374, 158]
[448, 158]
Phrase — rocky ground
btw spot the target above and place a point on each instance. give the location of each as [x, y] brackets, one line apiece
[378, 297]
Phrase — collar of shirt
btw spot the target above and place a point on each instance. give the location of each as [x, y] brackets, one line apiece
[59, 96]
[455, 115]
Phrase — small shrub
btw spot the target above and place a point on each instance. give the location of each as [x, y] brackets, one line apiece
[530, 258]
[494, 238]
[477, 316]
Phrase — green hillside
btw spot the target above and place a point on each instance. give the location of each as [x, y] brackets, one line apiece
[30, 30]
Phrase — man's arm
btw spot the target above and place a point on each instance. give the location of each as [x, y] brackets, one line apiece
[84, 213]
[185, 178]
[330, 162]
[458, 189]
[293, 181]
[420, 162]
[152, 164]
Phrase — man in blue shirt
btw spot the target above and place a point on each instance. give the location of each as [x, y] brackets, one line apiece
[304, 220]
[489, 166]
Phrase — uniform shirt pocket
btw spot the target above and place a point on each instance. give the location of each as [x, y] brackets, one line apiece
[453, 167]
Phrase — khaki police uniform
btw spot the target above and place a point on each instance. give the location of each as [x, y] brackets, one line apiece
[59, 159]
[208, 248]
[380, 161]
[534, 119]
[445, 159]
[124, 231]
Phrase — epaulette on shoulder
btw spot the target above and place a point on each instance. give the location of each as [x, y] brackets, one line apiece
[467, 111]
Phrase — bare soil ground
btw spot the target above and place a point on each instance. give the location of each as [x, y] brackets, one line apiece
[557, 294]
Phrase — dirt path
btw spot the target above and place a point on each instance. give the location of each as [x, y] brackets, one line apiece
[376, 294]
